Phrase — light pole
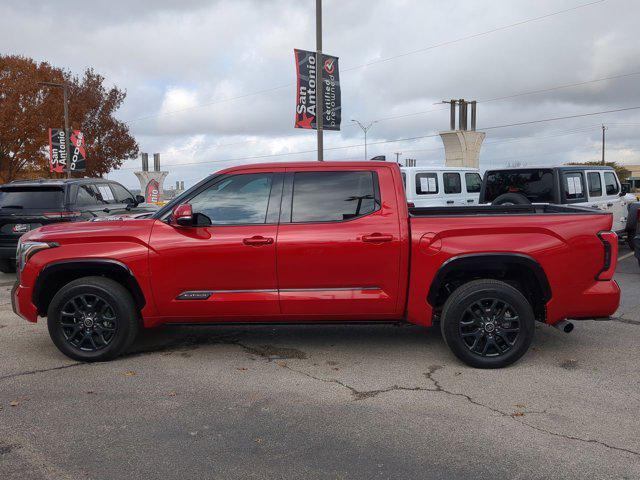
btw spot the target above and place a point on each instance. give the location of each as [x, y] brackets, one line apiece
[65, 94]
[604, 129]
[365, 129]
[319, 82]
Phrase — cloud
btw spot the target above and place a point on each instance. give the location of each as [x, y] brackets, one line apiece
[173, 57]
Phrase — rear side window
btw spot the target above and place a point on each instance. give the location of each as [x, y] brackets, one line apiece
[595, 184]
[611, 183]
[474, 182]
[40, 197]
[452, 183]
[87, 196]
[572, 183]
[333, 196]
[426, 183]
[535, 184]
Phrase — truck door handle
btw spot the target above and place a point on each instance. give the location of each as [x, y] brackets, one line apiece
[609, 204]
[449, 202]
[377, 238]
[257, 240]
[470, 200]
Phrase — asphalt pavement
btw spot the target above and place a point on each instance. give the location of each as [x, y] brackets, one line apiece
[326, 402]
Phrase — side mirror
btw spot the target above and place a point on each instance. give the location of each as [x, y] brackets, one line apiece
[182, 216]
[139, 199]
[625, 189]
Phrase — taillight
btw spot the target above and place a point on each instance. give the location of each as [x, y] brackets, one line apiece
[63, 214]
[610, 242]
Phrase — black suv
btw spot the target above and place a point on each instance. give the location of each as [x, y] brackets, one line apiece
[26, 205]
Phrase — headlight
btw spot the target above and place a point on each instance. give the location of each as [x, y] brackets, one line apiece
[27, 249]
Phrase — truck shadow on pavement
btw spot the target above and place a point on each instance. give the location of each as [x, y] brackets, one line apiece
[302, 342]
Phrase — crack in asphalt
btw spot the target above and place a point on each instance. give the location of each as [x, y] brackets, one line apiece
[621, 318]
[42, 370]
[438, 388]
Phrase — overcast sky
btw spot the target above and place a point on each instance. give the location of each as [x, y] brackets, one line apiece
[184, 63]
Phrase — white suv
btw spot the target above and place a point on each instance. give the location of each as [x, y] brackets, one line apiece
[441, 187]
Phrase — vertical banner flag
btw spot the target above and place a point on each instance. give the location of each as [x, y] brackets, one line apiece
[306, 68]
[78, 161]
[58, 154]
[57, 150]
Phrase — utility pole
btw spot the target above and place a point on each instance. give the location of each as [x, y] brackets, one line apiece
[397, 154]
[604, 129]
[67, 136]
[319, 83]
[365, 129]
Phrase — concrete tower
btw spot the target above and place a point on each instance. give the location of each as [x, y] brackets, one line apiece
[462, 146]
[151, 183]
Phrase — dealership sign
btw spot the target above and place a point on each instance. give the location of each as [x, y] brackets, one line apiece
[152, 193]
[306, 91]
[59, 158]
[57, 150]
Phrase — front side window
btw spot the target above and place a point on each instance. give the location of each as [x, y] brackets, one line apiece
[105, 195]
[333, 196]
[426, 183]
[573, 186]
[452, 183]
[611, 183]
[238, 199]
[595, 184]
[474, 182]
[121, 193]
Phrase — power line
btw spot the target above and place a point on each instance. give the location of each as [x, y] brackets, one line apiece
[406, 139]
[395, 117]
[378, 61]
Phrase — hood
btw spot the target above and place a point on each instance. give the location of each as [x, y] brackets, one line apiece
[85, 232]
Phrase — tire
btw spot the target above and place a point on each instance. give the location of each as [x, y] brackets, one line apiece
[511, 199]
[466, 328]
[7, 265]
[92, 319]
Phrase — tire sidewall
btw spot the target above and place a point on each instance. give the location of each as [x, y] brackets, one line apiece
[511, 199]
[122, 308]
[454, 312]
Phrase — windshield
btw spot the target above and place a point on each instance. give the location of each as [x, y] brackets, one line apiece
[22, 198]
[535, 184]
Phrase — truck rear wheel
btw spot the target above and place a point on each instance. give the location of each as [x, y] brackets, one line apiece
[92, 319]
[487, 324]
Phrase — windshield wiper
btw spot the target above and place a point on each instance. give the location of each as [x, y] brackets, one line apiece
[12, 206]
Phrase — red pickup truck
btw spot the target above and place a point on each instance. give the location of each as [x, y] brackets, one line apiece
[320, 242]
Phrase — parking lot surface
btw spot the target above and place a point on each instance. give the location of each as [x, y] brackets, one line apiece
[323, 402]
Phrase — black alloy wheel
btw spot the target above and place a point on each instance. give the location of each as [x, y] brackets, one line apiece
[490, 327]
[93, 319]
[88, 322]
[487, 323]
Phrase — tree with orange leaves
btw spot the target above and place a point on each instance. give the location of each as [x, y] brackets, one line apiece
[28, 110]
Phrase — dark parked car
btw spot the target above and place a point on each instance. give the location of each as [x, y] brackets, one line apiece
[26, 205]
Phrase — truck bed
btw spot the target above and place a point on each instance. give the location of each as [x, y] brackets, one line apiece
[479, 210]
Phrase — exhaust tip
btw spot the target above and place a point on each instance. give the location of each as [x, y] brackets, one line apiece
[564, 326]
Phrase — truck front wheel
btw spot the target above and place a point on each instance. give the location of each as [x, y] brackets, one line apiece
[487, 323]
[92, 319]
